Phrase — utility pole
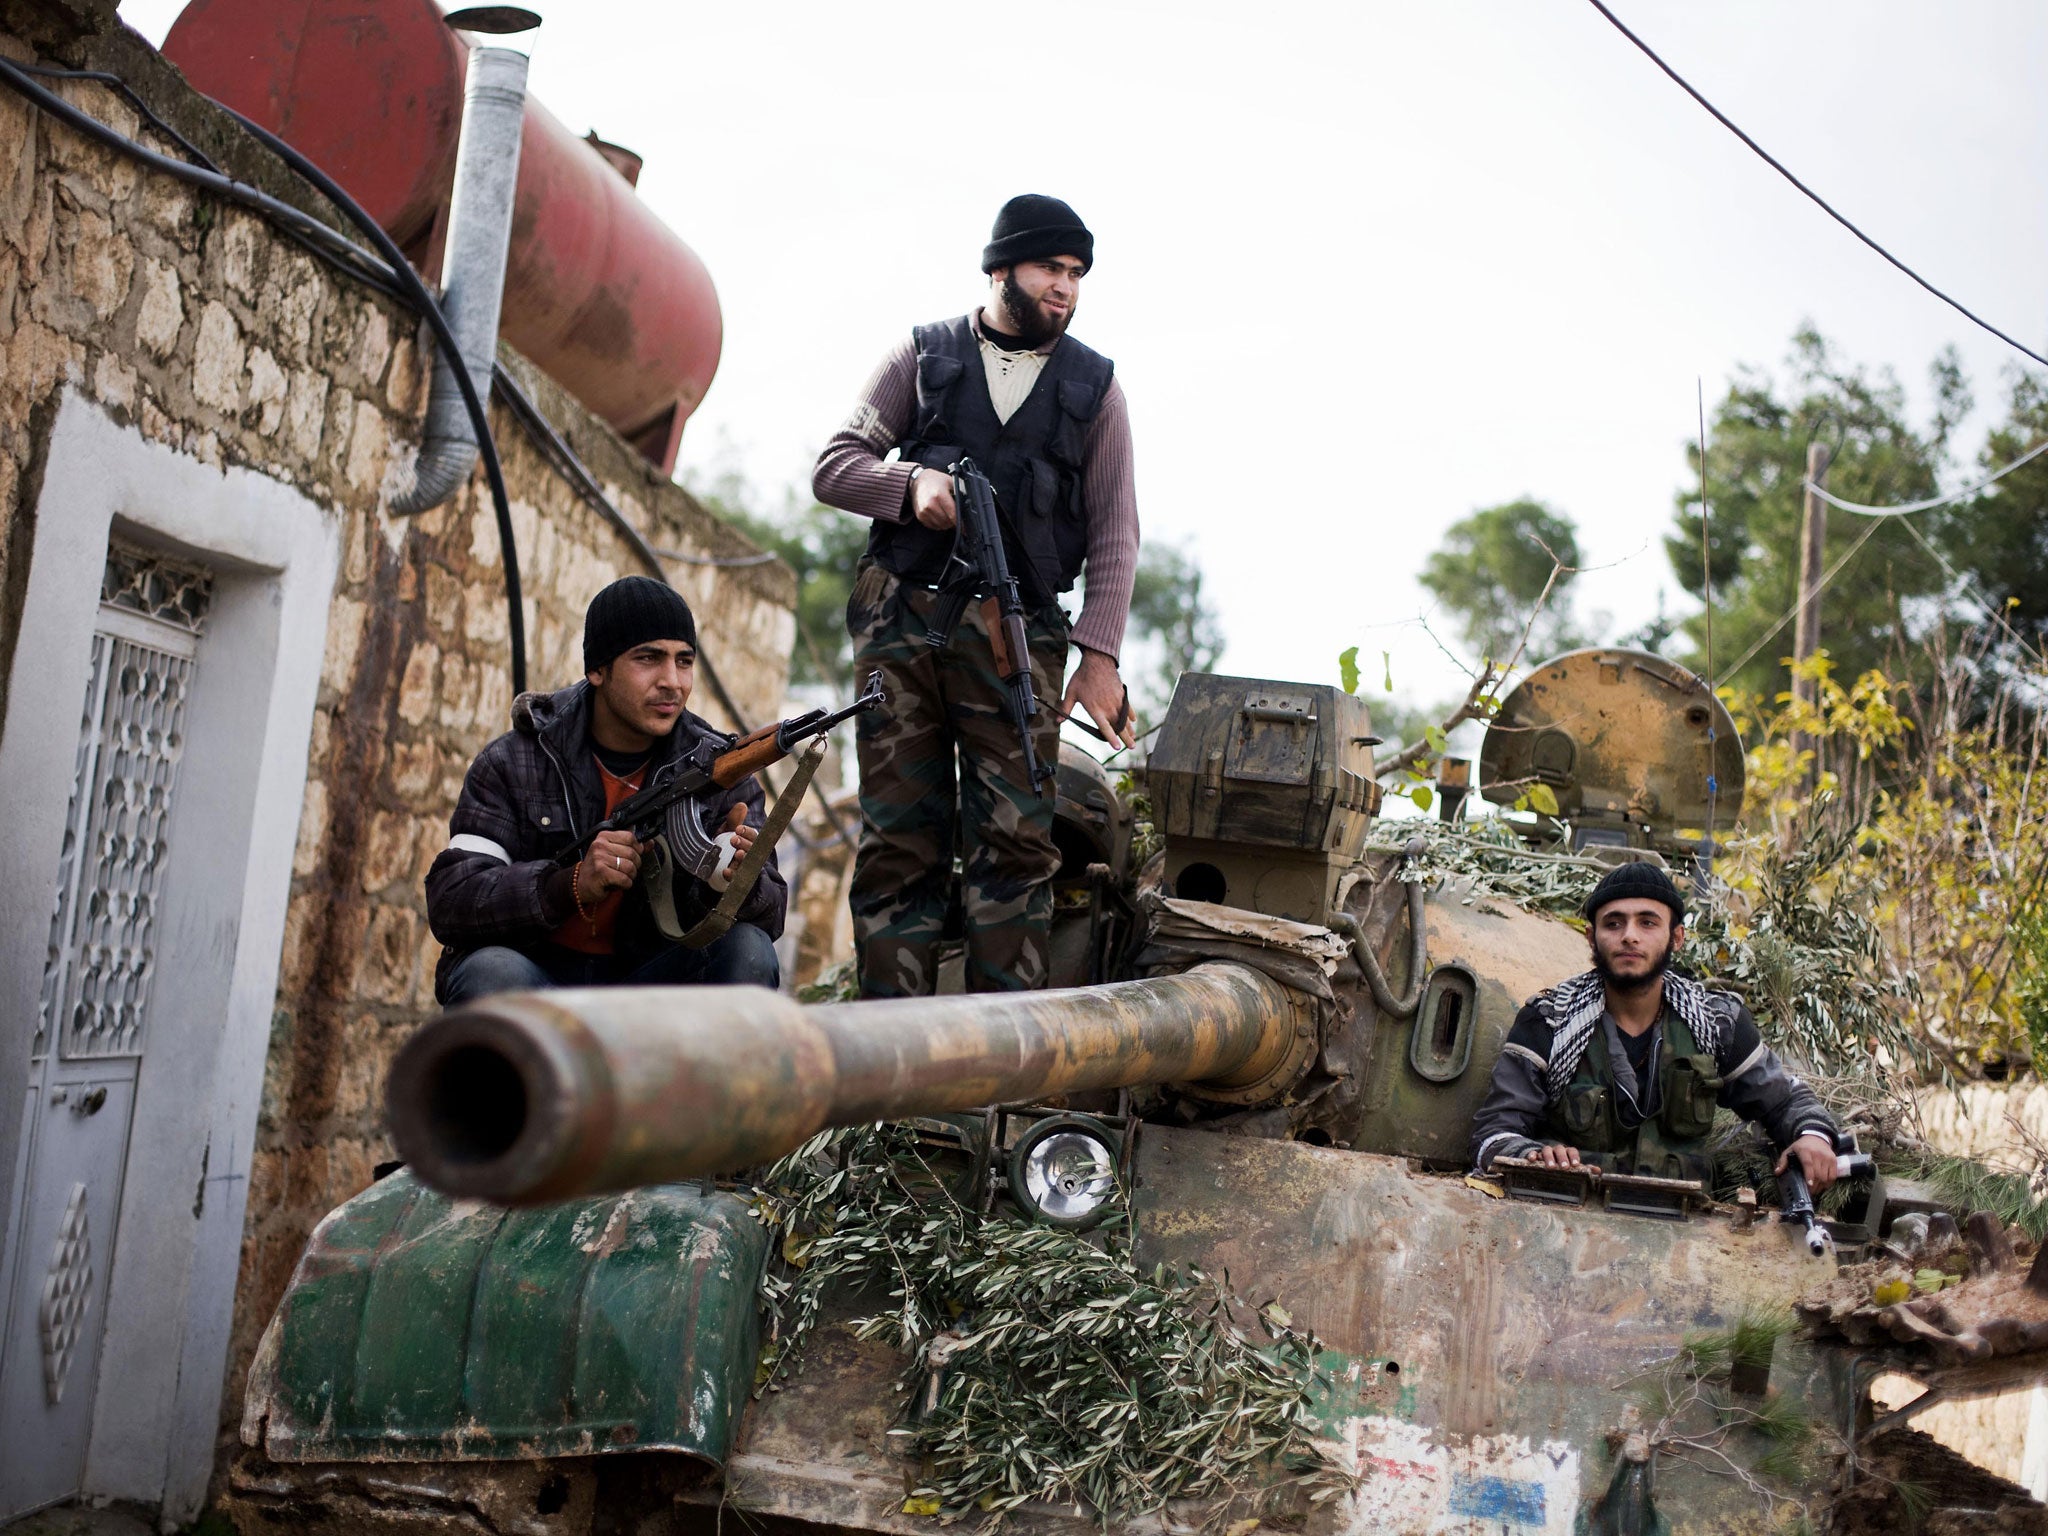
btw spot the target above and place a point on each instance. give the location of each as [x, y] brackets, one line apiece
[1813, 540]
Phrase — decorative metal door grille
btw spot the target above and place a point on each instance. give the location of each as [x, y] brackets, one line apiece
[67, 1296]
[143, 581]
[67, 858]
[102, 951]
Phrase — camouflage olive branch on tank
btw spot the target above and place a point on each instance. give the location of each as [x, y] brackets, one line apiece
[1146, 838]
[1965, 1184]
[1488, 859]
[1802, 950]
[1043, 1363]
[1810, 960]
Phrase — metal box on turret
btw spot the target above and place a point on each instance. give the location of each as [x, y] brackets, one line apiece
[1263, 792]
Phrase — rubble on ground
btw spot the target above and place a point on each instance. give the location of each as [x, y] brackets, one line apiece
[1964, 1296]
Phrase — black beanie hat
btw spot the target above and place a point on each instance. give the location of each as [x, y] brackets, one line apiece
[1641, 881]
[630, 612]
[1033, 226]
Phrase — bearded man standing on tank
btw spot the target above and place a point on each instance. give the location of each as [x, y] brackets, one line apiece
[1624, 1065]
[1044, 418]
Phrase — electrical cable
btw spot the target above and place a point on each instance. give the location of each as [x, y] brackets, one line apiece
[430, 311]
[327, 244]
[1793, 612]
[1993, 609]
[1907, 509]
[564, 461]
[1822, 203]
[127, 93]
[333, 246]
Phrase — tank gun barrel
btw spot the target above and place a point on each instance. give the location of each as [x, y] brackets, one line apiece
[538, 1096]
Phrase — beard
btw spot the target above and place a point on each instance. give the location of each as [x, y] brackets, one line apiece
[1653, 977]
[1026, 319]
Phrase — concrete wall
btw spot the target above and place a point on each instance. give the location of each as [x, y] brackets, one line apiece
[193, 327]
[1991, 1122]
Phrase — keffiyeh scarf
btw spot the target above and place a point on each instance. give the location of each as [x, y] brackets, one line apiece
[1572, 1009]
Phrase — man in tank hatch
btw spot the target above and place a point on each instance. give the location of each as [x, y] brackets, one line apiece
[1625, 1064]
[1044, 417]
[510, 916]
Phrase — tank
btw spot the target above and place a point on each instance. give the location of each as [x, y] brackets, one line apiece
[1276, 1062]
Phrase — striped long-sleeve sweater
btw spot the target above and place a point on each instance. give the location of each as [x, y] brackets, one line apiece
[852, 473]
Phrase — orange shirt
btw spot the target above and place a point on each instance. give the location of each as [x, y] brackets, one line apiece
[592, 935]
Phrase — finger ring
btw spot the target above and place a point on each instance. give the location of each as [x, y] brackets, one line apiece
[618, 861]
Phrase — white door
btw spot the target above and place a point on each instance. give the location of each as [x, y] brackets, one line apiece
[94, 1022]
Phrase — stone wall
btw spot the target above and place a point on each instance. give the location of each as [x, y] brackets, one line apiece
[199, 326]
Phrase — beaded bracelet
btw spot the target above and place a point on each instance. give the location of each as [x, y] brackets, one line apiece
[576, 892]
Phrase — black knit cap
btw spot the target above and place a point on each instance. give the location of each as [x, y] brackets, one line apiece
[1035, 226]
[630, 612]
[1640, 881]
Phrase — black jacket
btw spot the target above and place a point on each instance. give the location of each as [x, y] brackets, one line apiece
[530, 794]
[1755, 1084]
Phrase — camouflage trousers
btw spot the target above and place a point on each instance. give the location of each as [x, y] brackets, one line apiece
[944, 748]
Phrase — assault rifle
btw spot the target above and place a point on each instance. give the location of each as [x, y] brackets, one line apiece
[979, 569]
[718, 761]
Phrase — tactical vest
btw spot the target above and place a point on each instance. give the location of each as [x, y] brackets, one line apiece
[1671, 1144]
[1033, 460]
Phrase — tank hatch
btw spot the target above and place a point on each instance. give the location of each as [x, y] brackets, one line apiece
[1637, 750]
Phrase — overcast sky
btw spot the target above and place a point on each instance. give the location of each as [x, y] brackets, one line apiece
[1363, 267]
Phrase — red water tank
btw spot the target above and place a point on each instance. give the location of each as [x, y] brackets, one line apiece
[598, 291]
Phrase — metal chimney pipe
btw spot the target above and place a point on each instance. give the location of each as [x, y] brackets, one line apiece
[472, 268]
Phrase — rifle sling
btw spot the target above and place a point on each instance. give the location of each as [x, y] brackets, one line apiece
[714, 924]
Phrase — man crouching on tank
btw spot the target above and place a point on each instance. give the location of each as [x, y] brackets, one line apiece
[1624, 1065]
[510, 918]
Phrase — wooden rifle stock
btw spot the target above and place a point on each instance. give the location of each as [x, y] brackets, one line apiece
[750, 755]
[978, 568]
[1001, 640]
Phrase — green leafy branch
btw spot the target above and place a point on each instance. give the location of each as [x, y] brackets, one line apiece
[1042, 1364]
